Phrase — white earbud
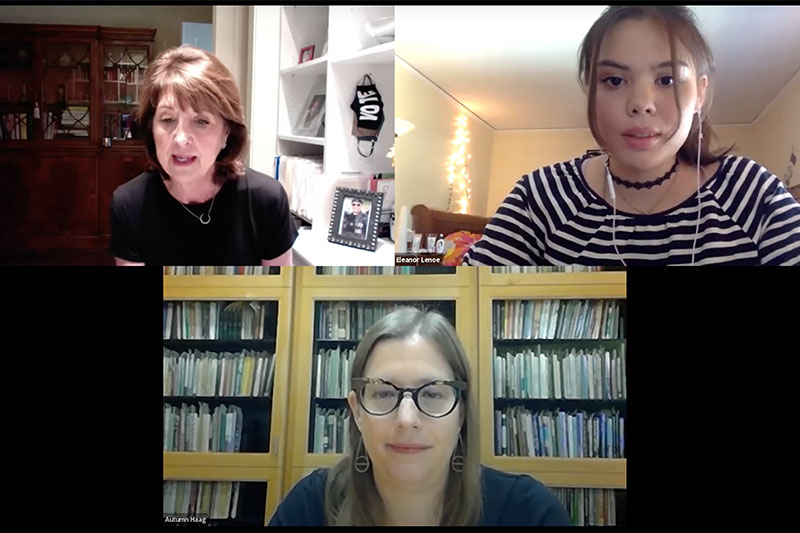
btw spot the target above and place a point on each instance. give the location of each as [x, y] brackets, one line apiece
[613, 195]
[699, 202]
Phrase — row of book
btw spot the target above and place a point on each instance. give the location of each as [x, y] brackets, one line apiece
[588, 507]
[378, 271]
[301, 178]
[556, 319]
[196, 373]
[572, 374]
[190, 428]
[521, 432]
[345, 320]
[74, 121]
[16, 126]
[49, 124]
[333, 372]
[216, 500]
[217, 320]
[331, 430]
[538, 269]
[118, 125]
[250, 270]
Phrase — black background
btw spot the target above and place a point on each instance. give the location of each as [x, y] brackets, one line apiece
[713, 380]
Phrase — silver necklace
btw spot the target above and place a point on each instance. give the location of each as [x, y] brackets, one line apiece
[206, 215]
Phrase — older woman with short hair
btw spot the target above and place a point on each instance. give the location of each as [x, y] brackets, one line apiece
[198, 204]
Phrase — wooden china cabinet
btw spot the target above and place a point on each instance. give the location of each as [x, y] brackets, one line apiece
[67, 138]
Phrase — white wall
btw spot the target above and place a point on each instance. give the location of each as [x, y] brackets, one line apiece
[232, 45]
[422, 154]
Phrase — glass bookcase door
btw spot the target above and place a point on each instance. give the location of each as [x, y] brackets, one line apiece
[338, 328]
[215, 503]
[124, 68]
[17, 92]
[66, 91]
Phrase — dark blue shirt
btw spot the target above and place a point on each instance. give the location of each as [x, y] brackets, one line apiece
[508, 500]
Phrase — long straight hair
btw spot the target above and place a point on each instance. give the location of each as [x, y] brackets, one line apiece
[351, 498]
[679, 23]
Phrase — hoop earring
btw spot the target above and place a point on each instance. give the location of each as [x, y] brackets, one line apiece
[361, 464]
[457, 460]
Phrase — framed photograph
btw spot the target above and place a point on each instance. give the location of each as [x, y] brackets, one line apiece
[355, 218]
[307, 53]
[310, 121]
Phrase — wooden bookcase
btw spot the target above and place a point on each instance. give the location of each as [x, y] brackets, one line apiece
[58, 180]
[312, 288]
[471, 291]
[552, 471]
[259, 467]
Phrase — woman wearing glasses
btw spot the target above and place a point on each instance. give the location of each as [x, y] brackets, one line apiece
[414, 443]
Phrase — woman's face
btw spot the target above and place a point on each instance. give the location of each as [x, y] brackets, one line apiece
[187, 141]
[408, 363]
[635, 106]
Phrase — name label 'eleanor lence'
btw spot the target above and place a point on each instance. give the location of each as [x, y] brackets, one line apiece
[417, 259]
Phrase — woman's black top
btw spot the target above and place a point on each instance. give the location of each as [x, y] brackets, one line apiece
[250, 221]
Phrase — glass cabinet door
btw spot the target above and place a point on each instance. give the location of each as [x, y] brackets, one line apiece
[66, 90]
[124, 67]
[17, 92]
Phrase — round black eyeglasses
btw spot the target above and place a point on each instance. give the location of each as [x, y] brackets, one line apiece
[436, 399]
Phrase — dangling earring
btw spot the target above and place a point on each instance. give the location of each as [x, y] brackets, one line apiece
[361, 463]
[457, 460]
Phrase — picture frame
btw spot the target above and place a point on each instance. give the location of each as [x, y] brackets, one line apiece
[355, 218]
[310, 120]
[306, 54]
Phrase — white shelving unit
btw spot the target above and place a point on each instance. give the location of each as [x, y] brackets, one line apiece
[279, 34]
[351, 53]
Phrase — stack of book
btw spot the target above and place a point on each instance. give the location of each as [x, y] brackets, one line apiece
[332, 366]
[379, 271]
[74, 121]
[561, 373]
[350, 320]
[190, 428]
[220, 270]
[196, 373]
[217, 320]
[538, 269]
[331, 430]
[300, 177]
[521, 432]
[557, 319]
[589, 507]
[217, 500]
[16, 126]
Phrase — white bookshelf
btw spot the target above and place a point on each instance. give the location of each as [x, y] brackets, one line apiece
[319, 141]
[351, 53]
[279, 33]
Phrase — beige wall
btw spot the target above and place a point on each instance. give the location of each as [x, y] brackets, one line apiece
[165, 19]
[232, 37]
[422, 154]
[518, 152]
[777, 130]
[740, 136]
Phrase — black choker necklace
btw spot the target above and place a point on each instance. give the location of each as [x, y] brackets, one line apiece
[642, 184]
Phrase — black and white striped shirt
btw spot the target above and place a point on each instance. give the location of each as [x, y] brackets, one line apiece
[552, 217]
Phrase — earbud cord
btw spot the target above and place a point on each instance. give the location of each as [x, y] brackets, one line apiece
[613, 195]
[699, 203]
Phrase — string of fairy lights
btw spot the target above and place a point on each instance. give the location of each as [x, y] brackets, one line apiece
[458, 168]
